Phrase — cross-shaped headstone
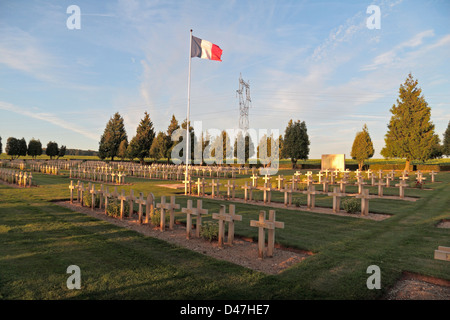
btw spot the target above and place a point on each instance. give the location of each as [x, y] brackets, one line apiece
[198, 213]
[364, 196]
[71, 187]
[311, 196]
[336, 199]
[189, 212]
[280, 180]
[401, 187]
[325, 184]
[266, 178]
[131, 199]
[223, 217]
[309, 178]
[380, 185]
[247, 188]
[342, 184]
[360, 184]
[231, 187]
[287, 194]
[263, 224]
[107, 195]
[213, 185]
[320, 175]
[432, 174]
[419, 177]
[267, 192]
[122, 197]
[81, 189]
[200, 186]
[254, 180]
[93, 193]
[187, 185]
[141, 201]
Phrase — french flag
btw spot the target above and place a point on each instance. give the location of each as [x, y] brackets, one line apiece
[205, 50]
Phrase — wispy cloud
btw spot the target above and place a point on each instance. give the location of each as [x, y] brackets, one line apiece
[50, 118]
[392, 56]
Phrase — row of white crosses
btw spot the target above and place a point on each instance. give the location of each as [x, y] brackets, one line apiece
[105, 195]
[97, 175]
[12, 176]
[169, 207]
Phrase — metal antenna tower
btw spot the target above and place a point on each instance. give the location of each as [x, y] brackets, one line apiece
[244, 104]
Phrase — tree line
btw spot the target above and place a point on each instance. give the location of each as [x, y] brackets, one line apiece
[16, 148]
[146, 143]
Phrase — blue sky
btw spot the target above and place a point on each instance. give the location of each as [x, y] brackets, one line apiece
[314, 61]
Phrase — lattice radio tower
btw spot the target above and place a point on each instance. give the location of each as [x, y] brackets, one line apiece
[244, 103]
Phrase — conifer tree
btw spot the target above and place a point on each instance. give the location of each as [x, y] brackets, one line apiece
[169, 143]
[410, 131]
[446, 142]
[112, 137]
[143, 139]
[362, 148]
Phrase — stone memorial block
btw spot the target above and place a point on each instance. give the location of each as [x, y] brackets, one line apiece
[333, 162]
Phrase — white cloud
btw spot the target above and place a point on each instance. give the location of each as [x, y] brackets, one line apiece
[50, 118]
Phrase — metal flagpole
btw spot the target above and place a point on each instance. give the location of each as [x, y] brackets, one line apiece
[187, 119]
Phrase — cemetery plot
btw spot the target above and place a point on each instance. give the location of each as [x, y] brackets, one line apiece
[242, 252]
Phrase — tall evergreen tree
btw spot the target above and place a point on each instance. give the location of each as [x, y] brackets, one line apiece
[122, 152]
[296, 142]
[169, 143]
[158, 149]
[112, 137]
[410, 131]
[143, 139]
[1, 146]
[362, 148]
[446, 142]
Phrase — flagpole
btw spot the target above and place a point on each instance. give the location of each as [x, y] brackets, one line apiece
[187, 118]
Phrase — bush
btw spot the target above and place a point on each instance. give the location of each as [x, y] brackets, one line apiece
[113, 208]
[87, 200]
[210, 230]
[351, 205]
[156, 217]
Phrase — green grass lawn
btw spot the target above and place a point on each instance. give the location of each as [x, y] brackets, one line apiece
[39, 240]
